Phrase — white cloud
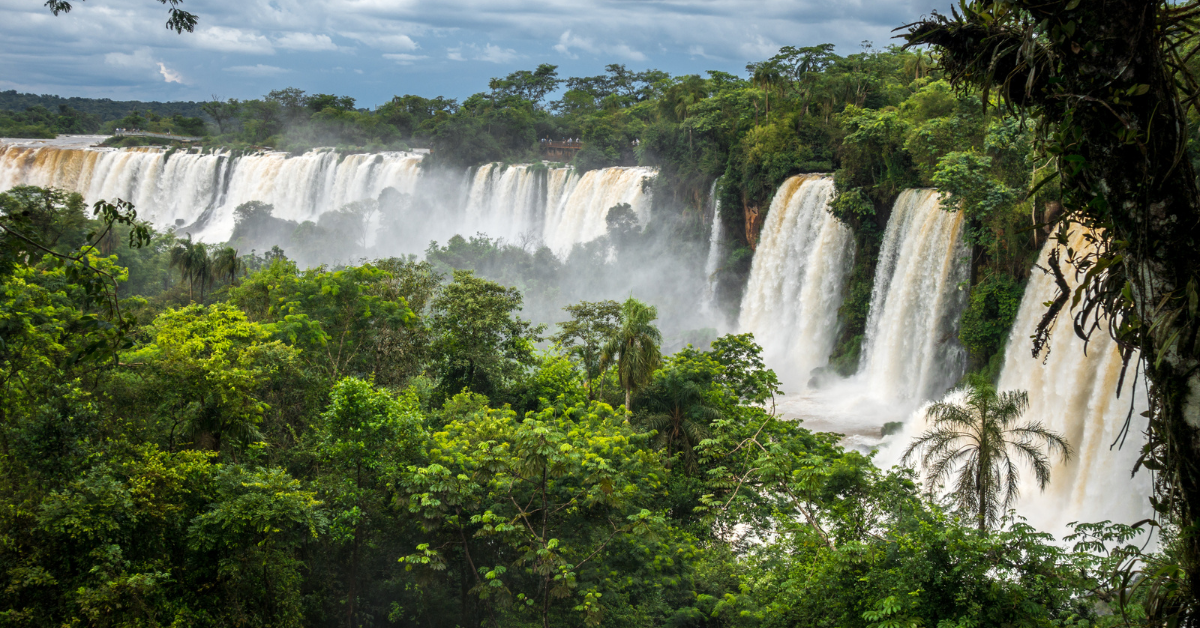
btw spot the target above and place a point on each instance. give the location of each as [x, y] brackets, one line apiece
[401, 58]
[223, 39]
[496, 54]
[308, 42]
[388, 41]
[257, 70]
[759, 48]
[490, 53]
[138, 59]
[568, 42]
[169, 75]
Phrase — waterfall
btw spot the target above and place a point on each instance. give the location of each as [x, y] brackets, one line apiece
[797, 278]
[911, 350]
[714, 252]
[199, 190]
[582, 205]
[506, 202]
[1075, 395]
[202, 189]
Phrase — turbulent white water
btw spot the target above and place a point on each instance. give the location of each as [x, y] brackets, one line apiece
[199, 191]
[714, 252]
[578, 205]
[1075, 395]
[797, 278]
[911, 351]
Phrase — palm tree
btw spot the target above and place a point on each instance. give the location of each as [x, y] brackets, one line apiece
[195, 267]
[980, 439]
[679, 413]
[768, 78]
[226, 265]
[634, 348]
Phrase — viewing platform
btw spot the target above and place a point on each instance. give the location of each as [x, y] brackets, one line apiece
[560, 151]
[162, 136]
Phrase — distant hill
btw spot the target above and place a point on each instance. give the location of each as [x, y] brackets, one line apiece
[106, 108]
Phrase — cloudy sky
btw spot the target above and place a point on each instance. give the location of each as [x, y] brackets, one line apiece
[372, 49]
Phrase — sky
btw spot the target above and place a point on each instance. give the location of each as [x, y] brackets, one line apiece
[374, 49]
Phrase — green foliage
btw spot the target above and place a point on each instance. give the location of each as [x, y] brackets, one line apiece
[989, 315]
[478, 342]
[212, 364]
[333, 317]
[583, 336]
[537, 508]
[633, 348]
[964, 181]
[103, 109]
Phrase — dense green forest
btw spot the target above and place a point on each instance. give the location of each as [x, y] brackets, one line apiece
[190, 437]
[104, 108]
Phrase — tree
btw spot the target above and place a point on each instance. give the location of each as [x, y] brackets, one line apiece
[479, 343]
[680, 407]
[768, 78]
[226, 265]
[532, 86]
[223, 113]
[743, 369]
[334, 316]
[210, 365]
[539, 511]
[195, 266]
[591, 324]
[980, 440]
[363, 438]
[633, 348]
[1112, 87]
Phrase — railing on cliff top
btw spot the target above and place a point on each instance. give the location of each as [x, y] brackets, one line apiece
[562, 151]
[164, 136]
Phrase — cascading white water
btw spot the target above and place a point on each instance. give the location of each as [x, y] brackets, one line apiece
[583, 204]
[714, 252]
[203, 189]
[1075, 395]
[199, 191]
[797, 279]
[506, 202]
[910, 351]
